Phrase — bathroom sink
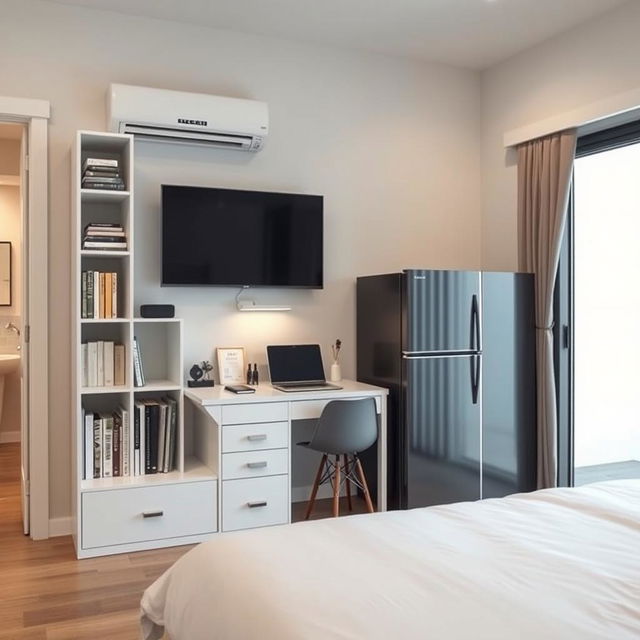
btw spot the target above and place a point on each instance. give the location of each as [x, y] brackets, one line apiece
[9, 362]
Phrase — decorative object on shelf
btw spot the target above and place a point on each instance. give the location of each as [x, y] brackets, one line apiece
[254, 375]
[157, 311]
[200, 375]
[102, 173]
[230, 365]
[249, 374]
[336, 372]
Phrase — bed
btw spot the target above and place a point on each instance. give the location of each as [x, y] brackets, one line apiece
[560, 563]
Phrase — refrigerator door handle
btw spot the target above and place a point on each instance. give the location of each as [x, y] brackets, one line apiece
[475, 339]
[474, 371]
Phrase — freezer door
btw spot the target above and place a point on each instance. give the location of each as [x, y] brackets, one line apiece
[509, 388]
[442, 445]
[441, 311]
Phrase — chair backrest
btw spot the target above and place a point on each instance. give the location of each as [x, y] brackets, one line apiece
[346, 426]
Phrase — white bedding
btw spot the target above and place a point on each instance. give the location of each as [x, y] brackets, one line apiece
[562, 563]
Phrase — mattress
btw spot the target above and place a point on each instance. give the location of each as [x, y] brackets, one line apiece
[559, 563]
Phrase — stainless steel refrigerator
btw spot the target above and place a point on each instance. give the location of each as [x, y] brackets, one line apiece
[456, 349]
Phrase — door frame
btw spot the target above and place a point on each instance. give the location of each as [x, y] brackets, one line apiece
[35, 115]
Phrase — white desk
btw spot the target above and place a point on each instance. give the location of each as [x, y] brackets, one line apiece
[246, 440]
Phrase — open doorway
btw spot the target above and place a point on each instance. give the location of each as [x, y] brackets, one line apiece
[14, 440]
[598, 352]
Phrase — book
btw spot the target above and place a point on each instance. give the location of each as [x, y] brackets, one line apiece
[107, 446]
[162, 430]
[101, 172]
[103, 237]
[97, 446]
[106, 186]
[83, 295]
[152, 423]
[87, 420]
[101, 294]
[138, 369]
[92, 364]
[114, 295]
[113, 179]
[89, 294]
[105, 245]
[84, 363]
[99, 163]
[118, 365]
[100, 363]
[171, 434]
[96, 294]
[138, 439]
[109, 362]
[117, 449]
[104, 233]
[104, 226]
[107, 294]
[127, 443]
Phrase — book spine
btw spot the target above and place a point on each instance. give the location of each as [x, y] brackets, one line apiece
[84, 360]
[101, 295]
[114, 295]
[97, 446]
[108, 364]
[83, 295]
[107, 186]
[92, 364]
[118, 365]
[107, 446]
[100, 358]
[107, 294]
[99, 162]
[153, 438]
[140, 436]
[117, 449]
[162, 431]
[89, 276]
[88, 445]
[137, 364]
[96, 294]
[147, 438]
[127, 455]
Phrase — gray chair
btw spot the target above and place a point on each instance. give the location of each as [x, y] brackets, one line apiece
[345, 428]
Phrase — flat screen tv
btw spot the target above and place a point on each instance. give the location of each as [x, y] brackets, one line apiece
[228, 237]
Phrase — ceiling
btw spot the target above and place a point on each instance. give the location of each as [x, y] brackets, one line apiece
[466, 33]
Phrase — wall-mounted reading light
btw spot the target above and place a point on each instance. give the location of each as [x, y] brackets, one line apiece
[250, 305]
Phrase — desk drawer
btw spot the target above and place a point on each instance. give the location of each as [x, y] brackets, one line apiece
[249, 464]
[259, 412]
[249, 437]
[116, 516]
[256, 502]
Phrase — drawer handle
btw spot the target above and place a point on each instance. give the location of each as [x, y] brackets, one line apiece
[257, 437]
[257, 465]
[152, 514]
[253, 505]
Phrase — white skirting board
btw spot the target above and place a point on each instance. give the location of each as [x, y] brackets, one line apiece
[9, 436]
[60, 526]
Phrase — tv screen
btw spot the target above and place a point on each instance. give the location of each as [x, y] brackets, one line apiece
[237, 238]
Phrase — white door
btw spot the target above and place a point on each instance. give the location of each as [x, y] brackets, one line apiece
[24, 335]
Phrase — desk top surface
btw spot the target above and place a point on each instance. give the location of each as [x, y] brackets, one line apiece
[217, 395]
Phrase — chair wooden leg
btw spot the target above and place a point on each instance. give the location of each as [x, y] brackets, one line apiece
[336, 489]
[348, 482]
[365, 487]
[316, 484]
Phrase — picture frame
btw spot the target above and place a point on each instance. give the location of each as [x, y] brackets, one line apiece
[231, 365]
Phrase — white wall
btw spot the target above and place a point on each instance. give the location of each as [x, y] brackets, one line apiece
[594, 61]
[393, 146]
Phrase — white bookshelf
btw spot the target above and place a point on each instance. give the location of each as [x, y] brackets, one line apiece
[160, 343]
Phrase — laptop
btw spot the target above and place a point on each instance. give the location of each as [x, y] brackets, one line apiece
[297, 367]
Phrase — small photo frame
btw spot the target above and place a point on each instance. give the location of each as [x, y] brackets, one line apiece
[231, 365]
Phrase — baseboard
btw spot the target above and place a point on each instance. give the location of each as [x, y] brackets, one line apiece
[9, 436]
[301, 494]
[60, 527]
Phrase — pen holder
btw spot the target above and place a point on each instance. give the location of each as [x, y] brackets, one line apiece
[336, 372]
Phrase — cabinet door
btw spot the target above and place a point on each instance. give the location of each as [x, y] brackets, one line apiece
[442, 430]
[508, 393]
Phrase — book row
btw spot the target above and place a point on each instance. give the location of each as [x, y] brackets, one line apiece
[104, 236]
[99, 294]
[103, 364]
[116, 446]
[102, 173]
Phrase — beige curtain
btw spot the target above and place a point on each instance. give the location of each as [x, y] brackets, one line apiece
[545, 167]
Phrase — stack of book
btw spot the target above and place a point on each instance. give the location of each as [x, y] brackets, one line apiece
[113, 447]
[104, 236]
[103, 364]
[99, 294]
[102, 173]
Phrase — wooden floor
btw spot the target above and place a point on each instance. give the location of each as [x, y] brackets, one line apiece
[46, 594]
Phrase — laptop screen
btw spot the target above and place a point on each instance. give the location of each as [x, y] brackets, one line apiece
[295, 363]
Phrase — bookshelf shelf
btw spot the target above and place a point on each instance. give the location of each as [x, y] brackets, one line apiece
[158, 386]
[87, 391]
[98, 253]
[100, 195]
[104, 320]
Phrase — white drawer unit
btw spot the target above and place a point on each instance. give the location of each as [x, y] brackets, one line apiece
[255, 502]
[258, 412]
[249, 437]
[127, 516]
[250, 464]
